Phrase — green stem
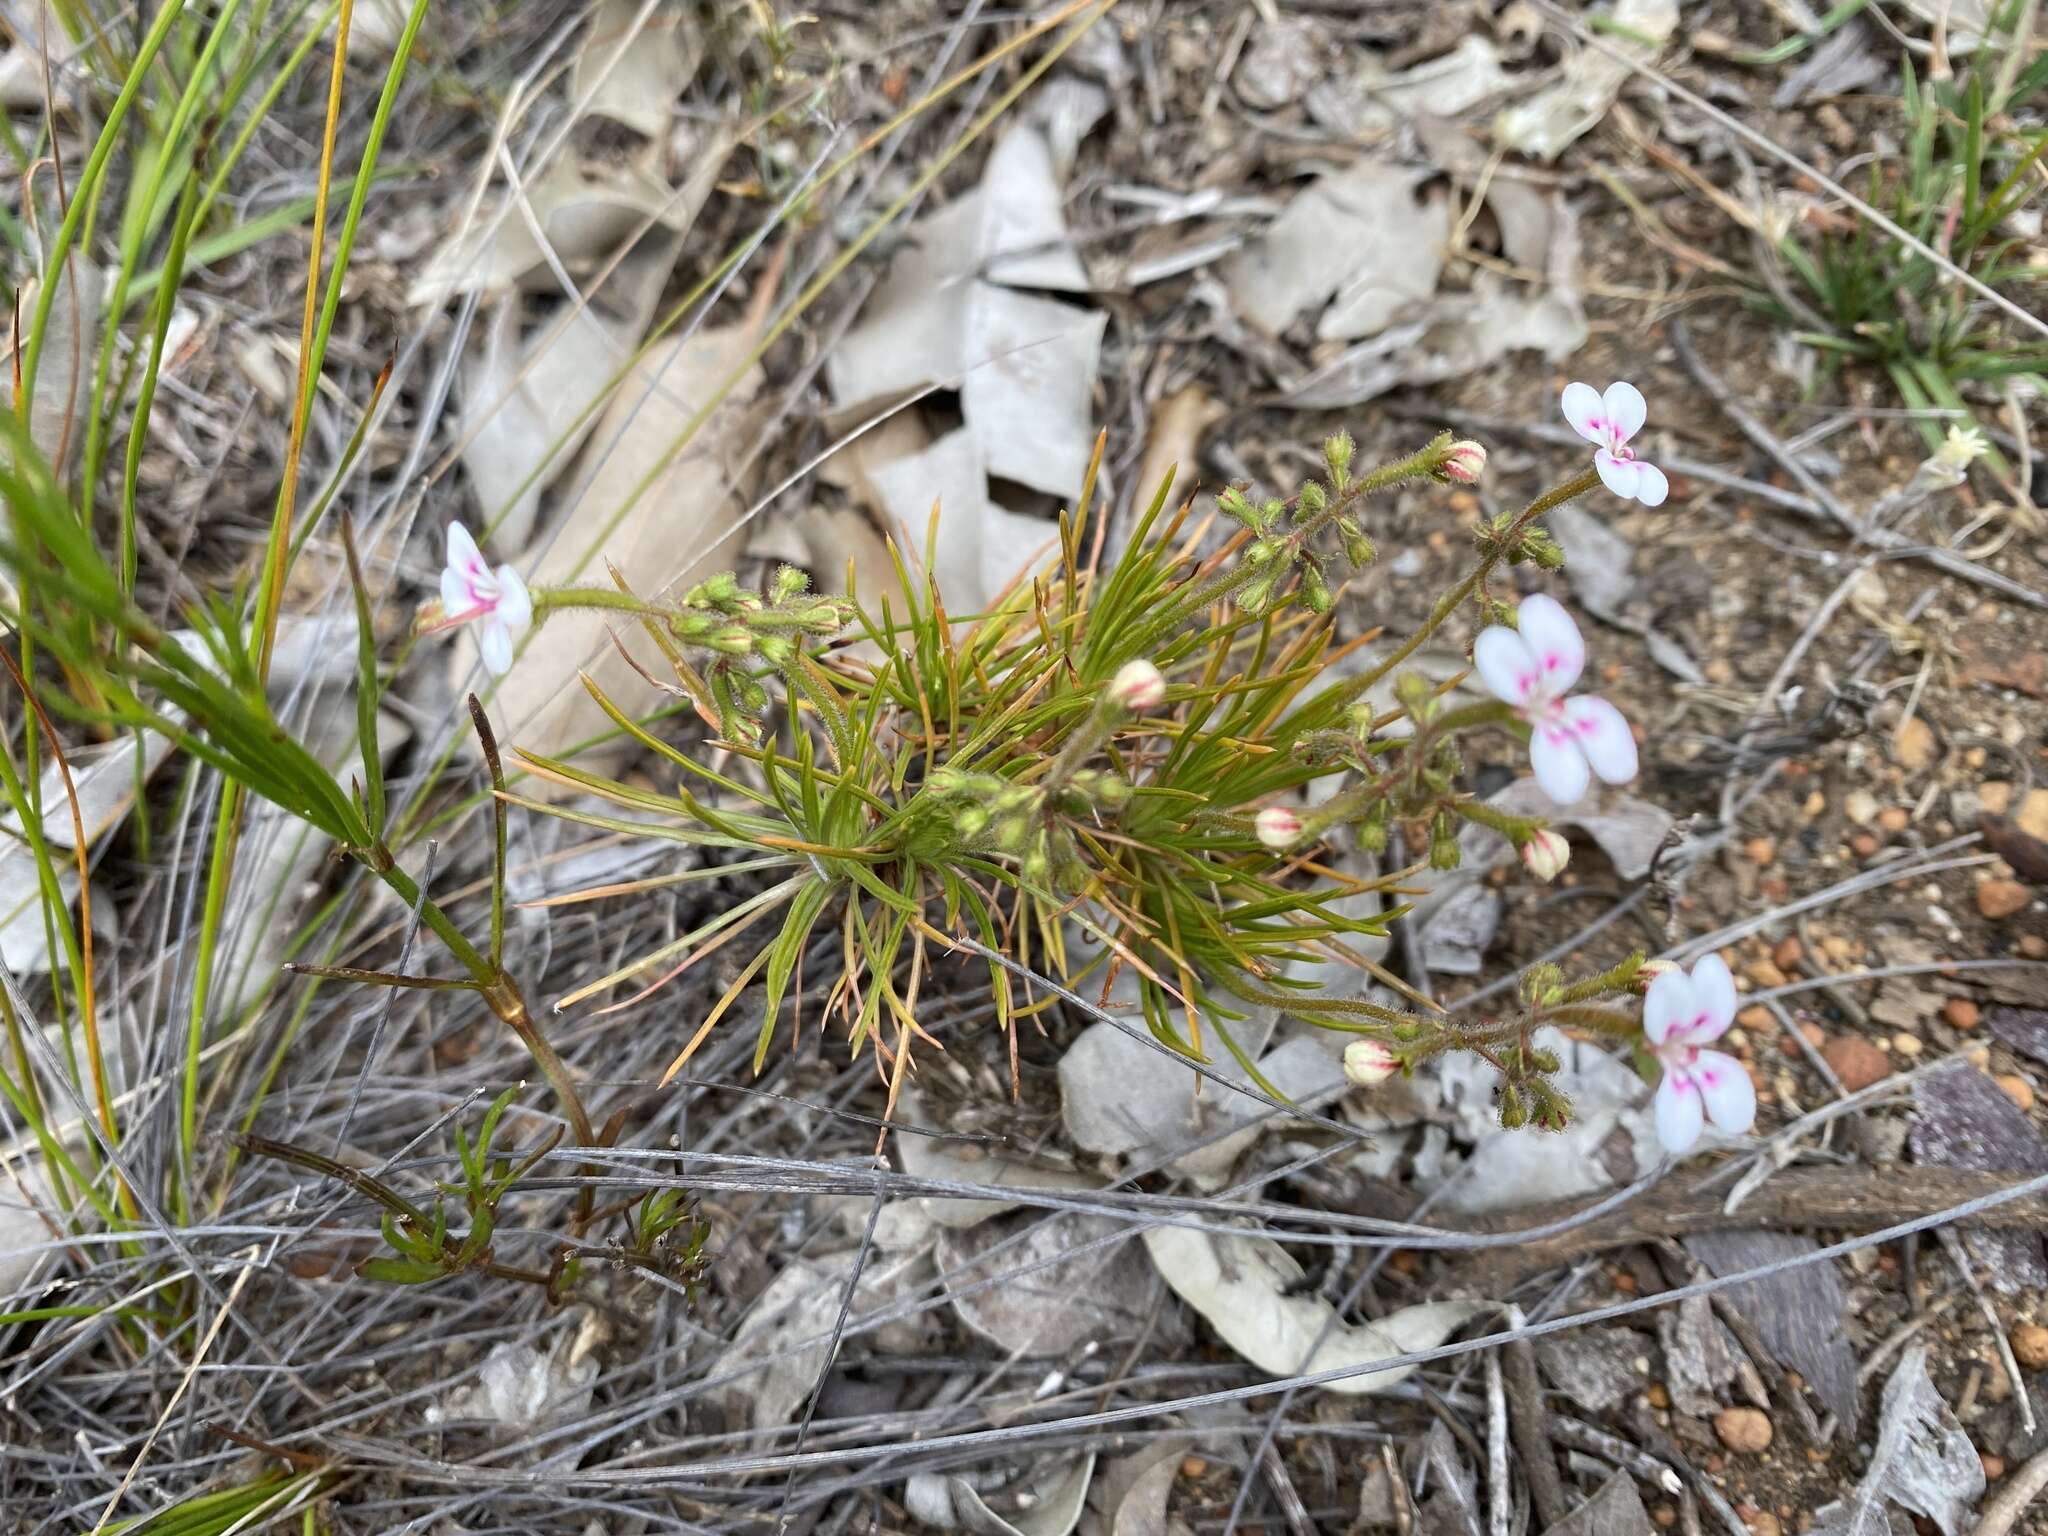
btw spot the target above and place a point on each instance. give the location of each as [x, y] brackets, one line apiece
[1228, 581]
[1449, 603]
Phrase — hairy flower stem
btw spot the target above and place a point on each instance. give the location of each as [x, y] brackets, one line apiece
[1240, 573]
[1450, 602]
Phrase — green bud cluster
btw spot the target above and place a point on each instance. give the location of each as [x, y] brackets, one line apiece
[1498, 538]
[988, 814]
[722, 616]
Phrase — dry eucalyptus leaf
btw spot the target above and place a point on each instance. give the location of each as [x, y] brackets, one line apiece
[981, 548]
[1123, 1097]
[772, 1363]
[1043, 1500]
[1924, 1462]
[1559, 114]
[1025, 365]
[635, 60]
[103, 777]
[942, 1161]
[684, 526]
[583, 213]
[1244, 1285]
[1108, 1292]
[64, 369]
[1131, 1491]
[1456, 334]
[1358, 240]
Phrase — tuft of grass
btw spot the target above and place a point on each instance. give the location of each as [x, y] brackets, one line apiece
[1968, 166]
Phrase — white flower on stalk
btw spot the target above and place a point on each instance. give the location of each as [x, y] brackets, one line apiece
[497, 602]
[1681, 1015]
[1277, 827]
[1570, 738]
[1546, 854]
[1367, 1063]
[1138, 686]
[1608, 421]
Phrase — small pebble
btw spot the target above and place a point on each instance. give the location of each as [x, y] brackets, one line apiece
[2017, 1088]
[1764, 973]
[1816, 802]
[1905, 1044]
[1860, 807]
[1915, 745]
[1763, 1523]
[1995, 796]
[1755, 1016]
[1743, 1429]
[1893, 818]
[1960, 1012]
[1788, 954]
[1855, 1061]
[1998, 899]
[2030, 1346]
[1863, 845]
[2034, 946]
[1761, 850]
[1994, 1466]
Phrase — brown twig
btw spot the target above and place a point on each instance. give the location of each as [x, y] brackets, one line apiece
[1804, 1199]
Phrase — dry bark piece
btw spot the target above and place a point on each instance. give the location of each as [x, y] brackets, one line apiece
[1616, 1510]
[1797, 1314]
[1923, 1462]
[2024, 1029]
[1961, 1119]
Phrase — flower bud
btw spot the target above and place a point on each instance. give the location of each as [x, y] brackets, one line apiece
[1138, 687]
[789, 582]
[1649, 971]
[1312, 499]
[1278, 826]
[1464, 462]
[1368, 1063]
[1546, 854]
[1337, 450]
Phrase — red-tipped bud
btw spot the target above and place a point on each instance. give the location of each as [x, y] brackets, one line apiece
[1465, 462]
[1650, 970]
[1278, 827]
[1138, 687]
[1368, 1063]
[1546, 854]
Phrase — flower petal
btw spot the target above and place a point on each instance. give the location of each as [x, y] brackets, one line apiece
[1670, 1005]
[515, 603]
[1651, 486]
[455, 598]
[1625, 409]
[1680, 1114]
[495, 641]
[1506, 665]
[1725, 1091]
[1559, 764]
[463, 555]
[1621, 476]
[1584, 410]
[1715, 988]
[1553, 639]
[1603, 736]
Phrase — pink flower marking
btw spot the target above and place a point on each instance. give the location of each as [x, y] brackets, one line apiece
[1571, 739]
[497, 602]
[1608, 421]
[1681, 1015]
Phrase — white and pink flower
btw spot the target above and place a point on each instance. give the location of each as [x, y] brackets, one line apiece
[497, 602]
[1681, 1016]
[1570, 738]
[1608, 421]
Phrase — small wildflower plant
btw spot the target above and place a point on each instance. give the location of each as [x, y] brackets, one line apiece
[1164, 752]
[1122, 750]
